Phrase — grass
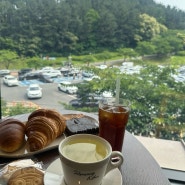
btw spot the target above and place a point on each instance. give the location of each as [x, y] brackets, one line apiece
[103, 57]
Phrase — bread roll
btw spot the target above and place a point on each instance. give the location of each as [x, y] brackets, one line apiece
[12, 135]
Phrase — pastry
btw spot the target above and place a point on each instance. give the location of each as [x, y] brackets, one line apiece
[43, 127]
[52, 114]
[11, 167]
[12, 135]
[80, 125]
[28, 175]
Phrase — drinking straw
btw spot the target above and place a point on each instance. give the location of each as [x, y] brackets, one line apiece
[117, 90]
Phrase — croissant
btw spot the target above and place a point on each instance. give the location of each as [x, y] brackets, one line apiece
[12, 135]
[43, 127]
[58, 118]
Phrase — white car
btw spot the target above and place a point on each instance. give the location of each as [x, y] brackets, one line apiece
[46, 69]
[67, 87]
[34, 91]
[102, 66]
[107, 94]
[4, 72]
[10, 80]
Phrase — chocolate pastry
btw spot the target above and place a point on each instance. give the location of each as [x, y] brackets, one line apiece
[81, 125]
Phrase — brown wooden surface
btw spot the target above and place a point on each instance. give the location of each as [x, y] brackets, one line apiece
[139, 167]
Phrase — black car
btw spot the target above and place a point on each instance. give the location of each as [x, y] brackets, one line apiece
[45, 78]
[23, 72]
[30, 76]
[84, 102]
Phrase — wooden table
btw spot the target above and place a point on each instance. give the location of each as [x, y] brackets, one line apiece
[139, 167]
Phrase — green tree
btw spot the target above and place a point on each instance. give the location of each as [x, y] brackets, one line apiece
[7, 44]
[145, 48]
[175, 40]
[149, 28]
[45, 27]
[127, 52]
[106, 29]
[163, 47]
[8, 58]
[35, 62]
[156, 109]
[89, 29]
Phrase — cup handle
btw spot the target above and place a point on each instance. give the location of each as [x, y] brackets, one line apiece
[116, 160]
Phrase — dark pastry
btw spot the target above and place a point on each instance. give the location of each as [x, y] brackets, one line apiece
[81, 125]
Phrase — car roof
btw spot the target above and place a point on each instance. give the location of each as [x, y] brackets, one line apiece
[4, 70]
[34, 85]
[66, 82]
[10, 76]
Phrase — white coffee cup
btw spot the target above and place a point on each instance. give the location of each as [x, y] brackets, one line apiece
[86, 159]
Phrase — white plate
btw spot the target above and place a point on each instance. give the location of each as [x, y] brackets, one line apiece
[24, 150]
[54, 175]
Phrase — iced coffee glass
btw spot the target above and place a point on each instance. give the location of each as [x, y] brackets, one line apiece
[113, 118]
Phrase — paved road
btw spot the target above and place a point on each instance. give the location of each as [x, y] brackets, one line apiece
[52, 97]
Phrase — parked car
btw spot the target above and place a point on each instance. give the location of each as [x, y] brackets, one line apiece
[102, 66]
[95, 77]
[64, 70]
[4, 72]
[87, 102]
[107, 94]
[30, 76]
[10, 80]
[87, 74]
[67, 87]
[53, 73]
[34, 91]
[46, 69]
[72, 72]
[24, 71]
[45, 78]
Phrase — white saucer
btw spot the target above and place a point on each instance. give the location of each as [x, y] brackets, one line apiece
[54, 175]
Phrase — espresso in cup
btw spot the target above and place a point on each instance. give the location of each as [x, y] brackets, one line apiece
[86, 159]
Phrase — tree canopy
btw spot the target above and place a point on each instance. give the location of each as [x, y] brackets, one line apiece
[60, 27]
[157, 102]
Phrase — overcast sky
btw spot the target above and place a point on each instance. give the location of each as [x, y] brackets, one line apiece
[177, 3]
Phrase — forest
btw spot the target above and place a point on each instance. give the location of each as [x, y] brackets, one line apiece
[61, 27]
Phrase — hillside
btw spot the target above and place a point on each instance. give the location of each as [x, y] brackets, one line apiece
[60, 27]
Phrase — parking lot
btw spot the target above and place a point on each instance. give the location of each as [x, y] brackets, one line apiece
[52, 97]
[56, 80]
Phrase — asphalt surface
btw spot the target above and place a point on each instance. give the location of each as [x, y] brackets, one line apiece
[52, 97]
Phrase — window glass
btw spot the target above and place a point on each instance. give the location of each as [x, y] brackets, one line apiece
[89, 44]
